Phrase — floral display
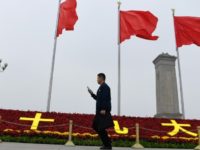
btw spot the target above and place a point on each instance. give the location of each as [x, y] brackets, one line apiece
[53, 124]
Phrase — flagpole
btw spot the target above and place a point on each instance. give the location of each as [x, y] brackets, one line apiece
[119, 62]
[180, 75]
[53, 61]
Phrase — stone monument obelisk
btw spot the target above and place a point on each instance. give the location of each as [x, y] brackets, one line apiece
[167, 102]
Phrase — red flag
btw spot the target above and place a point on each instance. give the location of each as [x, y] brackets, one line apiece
[139, 23]
[67, 16]
[187, 30]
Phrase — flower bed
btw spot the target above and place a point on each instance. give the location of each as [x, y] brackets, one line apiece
[15, 123]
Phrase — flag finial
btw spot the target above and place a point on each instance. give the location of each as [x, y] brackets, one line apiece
[118, 2]
[173, 11]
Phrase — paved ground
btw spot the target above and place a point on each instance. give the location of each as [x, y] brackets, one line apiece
[18, 146]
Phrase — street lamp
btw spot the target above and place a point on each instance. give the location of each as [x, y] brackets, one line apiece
[3, 67]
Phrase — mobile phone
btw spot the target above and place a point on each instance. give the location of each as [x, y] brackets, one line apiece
[88, 88]
[90, 91]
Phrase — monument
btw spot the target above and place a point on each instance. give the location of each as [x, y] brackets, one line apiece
[167, 102]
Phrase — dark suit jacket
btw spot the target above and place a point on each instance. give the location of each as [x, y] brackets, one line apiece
[103, 102]
[103, 98]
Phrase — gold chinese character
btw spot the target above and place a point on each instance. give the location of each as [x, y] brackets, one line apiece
[118, 130]
[178, 128]
[36, 120]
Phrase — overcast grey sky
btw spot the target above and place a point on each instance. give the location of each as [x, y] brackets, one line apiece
[26, 42]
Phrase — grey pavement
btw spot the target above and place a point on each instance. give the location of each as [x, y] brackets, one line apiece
[22, 146]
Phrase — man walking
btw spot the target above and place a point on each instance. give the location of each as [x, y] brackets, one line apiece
[103, 119]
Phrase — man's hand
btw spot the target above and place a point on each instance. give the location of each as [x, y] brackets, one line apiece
[103, 112]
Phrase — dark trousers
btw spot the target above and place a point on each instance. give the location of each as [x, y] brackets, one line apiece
[100, 124]
[103, 134]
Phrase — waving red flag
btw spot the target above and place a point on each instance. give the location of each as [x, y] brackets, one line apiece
[139, 23]
[67, 16]
[187, 30]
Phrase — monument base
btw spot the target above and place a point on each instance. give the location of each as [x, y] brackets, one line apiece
[169, 116]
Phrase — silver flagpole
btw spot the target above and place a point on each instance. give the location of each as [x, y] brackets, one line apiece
[180, 76]
[181, 83]
[53, 61]
[119, 62]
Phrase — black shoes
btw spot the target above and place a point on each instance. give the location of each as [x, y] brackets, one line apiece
[106, 148]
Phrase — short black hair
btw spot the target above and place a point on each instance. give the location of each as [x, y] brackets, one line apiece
[102, 75]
